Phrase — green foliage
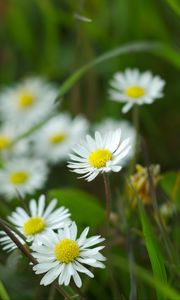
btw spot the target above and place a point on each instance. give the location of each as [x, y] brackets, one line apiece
[44, 37]
[170, 183]
[154, 252]
[84, 207]
[3, 293]
[174, 4]
[162, 287]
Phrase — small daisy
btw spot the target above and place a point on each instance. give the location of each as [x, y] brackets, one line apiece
[28, 102]
[6, 138]
[40, 220]
[8, 134]
[62, 255]
[102, 154]
[167, 210]
[127, 132]
[23, 175]
[133, 87]
[7, 243]
[56, 138]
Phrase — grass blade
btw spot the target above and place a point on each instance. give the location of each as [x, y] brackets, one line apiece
[128, 48]
[174, 5]
[154, 252]
[164, 288]
[3, 292]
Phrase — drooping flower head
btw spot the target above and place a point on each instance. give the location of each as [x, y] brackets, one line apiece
[127, 131]
[133, 87]
[103, 153]
[140, 183]
[22, 175]
[62, 255]
[38, 222]
[55, 139]
[28, 102]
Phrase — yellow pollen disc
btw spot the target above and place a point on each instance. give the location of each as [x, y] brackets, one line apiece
[66, 251]
[19, 177]
[4, 142]
[25, 100]
[99, 158]
[34, 225]
[57, 138]
[135, 91]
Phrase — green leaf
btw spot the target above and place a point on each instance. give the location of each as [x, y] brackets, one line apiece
[3, 292]
[84, 208]
[170, 183]
[162, 287]
[174, 4]
[154, 252]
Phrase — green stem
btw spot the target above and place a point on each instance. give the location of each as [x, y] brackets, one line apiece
[135, 118]
[135, 121]
[13, 228]
[108, 197]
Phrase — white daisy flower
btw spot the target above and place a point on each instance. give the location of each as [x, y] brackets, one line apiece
[7, 243]
[8, 135]
[39, 221]
[102, 154]
[23, 175]
[127, 130]
[63, 256]
[133, 87]
[56, 138]
[28, 102]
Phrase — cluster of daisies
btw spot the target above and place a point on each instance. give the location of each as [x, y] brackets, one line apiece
[27, 154]
[33, 136]
[52, 237]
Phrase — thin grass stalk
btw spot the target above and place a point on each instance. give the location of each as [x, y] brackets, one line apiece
[160, 223]
[108, 198]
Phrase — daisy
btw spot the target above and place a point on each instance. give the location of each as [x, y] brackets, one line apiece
[8, 135]
[104, 153]
[56, 138]
[133, 87]
[40, 220]
[63, 256]
[127, 130]
[7, 243]
[28, 102]
[22, 175]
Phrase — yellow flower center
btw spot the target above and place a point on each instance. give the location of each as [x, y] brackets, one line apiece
[99, 158]
[19, 177]
[66, 251]
[25, 100]
[33, 226]
[4, 142]
[135, 91]
[57, 138]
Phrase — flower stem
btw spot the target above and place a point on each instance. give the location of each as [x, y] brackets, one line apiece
[108, 197]
[135, 118]
[14, 229]
[26, 252]
[23, 249]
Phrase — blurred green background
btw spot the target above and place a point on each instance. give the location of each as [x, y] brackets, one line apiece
[45, 37]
